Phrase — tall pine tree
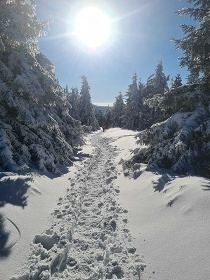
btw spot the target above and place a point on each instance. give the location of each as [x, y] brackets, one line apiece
[118, 111]
[157, 82]
[87, 113]
[74, 100]
[133, 105]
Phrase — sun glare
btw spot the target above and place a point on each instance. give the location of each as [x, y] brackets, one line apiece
[92, 27]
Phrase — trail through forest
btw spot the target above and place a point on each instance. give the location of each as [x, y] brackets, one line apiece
[88, 238]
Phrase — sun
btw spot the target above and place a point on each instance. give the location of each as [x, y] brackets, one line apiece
[92, 27]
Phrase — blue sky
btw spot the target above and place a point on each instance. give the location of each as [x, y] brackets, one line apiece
[142, 33]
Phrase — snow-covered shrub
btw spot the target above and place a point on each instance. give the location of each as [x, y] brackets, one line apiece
[181, 143]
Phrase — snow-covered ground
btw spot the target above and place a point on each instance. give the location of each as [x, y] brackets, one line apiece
[96, 223]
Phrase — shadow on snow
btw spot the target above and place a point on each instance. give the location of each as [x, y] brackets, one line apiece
[4, 236]
[12, 191]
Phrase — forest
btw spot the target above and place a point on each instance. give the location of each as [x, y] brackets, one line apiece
[42, 124]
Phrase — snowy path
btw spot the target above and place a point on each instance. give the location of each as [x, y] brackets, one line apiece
[103, 220]
[88, 238]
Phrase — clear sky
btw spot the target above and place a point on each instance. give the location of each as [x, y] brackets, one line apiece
[141, 36]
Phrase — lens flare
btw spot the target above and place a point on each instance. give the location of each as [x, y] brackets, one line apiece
[92, 27]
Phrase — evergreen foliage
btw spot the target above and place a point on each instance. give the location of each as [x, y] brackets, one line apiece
[177, 82]
[36, 129]
[100, 117]
[19, 25]
[74, 100]
[118, 111]
[195, 44]
[87, 113]
[175, 144]
[157, 82]
[179, 138]
[133, 105]
[41, 123]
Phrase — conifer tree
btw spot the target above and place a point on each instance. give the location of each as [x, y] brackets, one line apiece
[195, 44]
[87, 113]
[157, 82]
[74, 100]
[177, 82]
[160, 79]
[118, 111]
[133, 105]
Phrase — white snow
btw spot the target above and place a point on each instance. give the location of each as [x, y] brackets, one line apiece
[95, 223]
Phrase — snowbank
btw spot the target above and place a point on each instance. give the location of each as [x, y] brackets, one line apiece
[168, 217]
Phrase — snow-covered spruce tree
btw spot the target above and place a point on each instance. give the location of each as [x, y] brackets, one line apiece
[157, 83]
[35, 126]
[133, 106]
[74, 100]
[177, 82]
[160, 79]
[150, 110]
[118, 111]
[195, 44]
[87, 113]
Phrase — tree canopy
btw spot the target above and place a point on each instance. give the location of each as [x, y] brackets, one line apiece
[195, 44]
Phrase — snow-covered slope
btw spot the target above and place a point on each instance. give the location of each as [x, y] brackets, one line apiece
[104, 224]
[168, 217]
